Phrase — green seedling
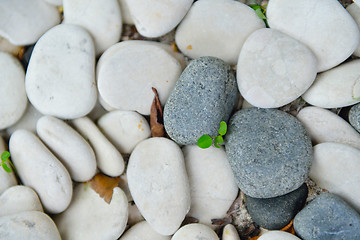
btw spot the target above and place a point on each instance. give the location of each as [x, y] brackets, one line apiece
[5, 159]
[205, 141]
[260, 11]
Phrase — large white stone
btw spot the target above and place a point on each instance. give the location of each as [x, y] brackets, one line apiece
[6, 179]
[27, 121]
[69, 146]
[212, 183]
[230, 233]
[278, 235]
[195, 231]
[154, 18]
[125, 12]
[323, 25]
[39, 169]
[90, 217]
[159, 184]
[60, 78]
[12, 91]
[336, 168]
[109, 159]
[142, 231]
[325, 126]
[22, 22]
[55, 2]
[128, 70]
[274, 69]
[354, 11]
[124, 129]
[216, 28]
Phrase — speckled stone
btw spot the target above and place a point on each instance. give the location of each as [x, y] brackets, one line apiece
[204, 95]
[276, 213]
[269, 152]
[327, 217]
[354, 117]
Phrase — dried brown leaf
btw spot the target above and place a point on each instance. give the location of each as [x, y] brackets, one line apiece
[289, 228]
[104, 185]
[221, 221]
[156, 117]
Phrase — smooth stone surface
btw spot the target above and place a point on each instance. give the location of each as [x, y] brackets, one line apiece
[274, 69]
[60, 78]
[212, 183]
[125, 129]
[335, 88]
[354, 117]
[325, 126]
[195, 231]
[134, 214]
[125, 12]
[69, 146]
[109, 159]
[216, 28]
[27, 121]
[102, 19]
[159, 184]
[277, 235]
[230, 233]
[13, 99]
[336, 168]
[23, 22]
[154, 18]
[142, 231]
[90, 217]
[130, 69]
[18, 199]
[276, 213]
[354, 11]
[327, 217]
[39, 169]
[204, 95]
[6, 46]
[55, 2]
[28, 225]
[269, 152]
[323, 25]
[6, 179]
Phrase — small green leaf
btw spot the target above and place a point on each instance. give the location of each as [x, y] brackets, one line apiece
[223, 128]
[6, 168]
[5, 155]
[218, 141]
[255, 7]
[204, 141]
[260, 14]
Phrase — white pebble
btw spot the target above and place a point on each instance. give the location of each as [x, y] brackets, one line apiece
[195, 231]
[55, 2]
[354, 11]
[230, 233]
[27, 121]
[125, 12]
[142, 231]
[277, 235]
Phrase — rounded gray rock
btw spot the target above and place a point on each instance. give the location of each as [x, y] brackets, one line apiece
[269, 152]
[354, 117]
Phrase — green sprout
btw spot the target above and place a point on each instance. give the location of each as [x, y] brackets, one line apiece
[260, 11]
[205, 141]
[5, 158]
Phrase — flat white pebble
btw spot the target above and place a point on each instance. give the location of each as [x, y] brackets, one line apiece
[195, 231]
[230, 233]
[27, 121]
[142, 231]
[125, 12]
[277, 235]
[354, 11]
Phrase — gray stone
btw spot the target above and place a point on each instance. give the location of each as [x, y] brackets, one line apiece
[327, 217]
[276, 213]
[269, 152]
[354, 117]
[204, 95]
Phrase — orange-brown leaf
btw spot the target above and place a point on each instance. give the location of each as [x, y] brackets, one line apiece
[104, 185]
[156, 117]
[289, 228]
[254, 238]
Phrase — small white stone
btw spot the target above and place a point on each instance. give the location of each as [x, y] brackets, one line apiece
[27, 121]
[278, 235]
[124, 129]
[159, 184]
[154, 18]
[354, 11]
[60, 78]
[90, 217]
[6, 46]
[195, 231]
[336, 168]
[39, 169]
[19, 199]
[12, 91]
[72, 149]
[109, 159]
[323, 25]
[212, 183]
[230, 233]
[55, 2]
[22, 22]
[125, 12]
[216, 28]
[325, 126]
[7, 180]
[143, 231]
[28, 225]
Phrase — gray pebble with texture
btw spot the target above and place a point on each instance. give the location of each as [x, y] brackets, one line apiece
[354, 116]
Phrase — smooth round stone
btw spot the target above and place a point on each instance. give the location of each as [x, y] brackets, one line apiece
[102, 19]
[27, 121]
[276, 213]
[216, 28]
[159, 184]
[125, 129]
[55, 2]
[212, 183]
[125, 12]
[329, 30]
[134, 214]
[109, 159]
[204, 95]
[6, 179]
[335, 88]
[230, 233]
[156, 18]
[69, 146]
[327, 217]
[277, 235]
[90, 217]
[39, 169]
[130, 69]
[195, 231]
[336, 168]
[142, 231]
[354, 10]
[325, 126]
[274, 69]
[28, 225]
[23, 22]
[13, 99]
[6, 46]
[18, 199]
[269, 152]
[354, 117]
[60, 78]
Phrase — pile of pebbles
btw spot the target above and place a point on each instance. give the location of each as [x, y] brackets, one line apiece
[80, 106]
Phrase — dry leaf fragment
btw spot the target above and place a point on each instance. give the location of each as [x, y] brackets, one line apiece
[104, 185]
[156, 117]
[254, 238]
[221, 221]
[289, 228]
